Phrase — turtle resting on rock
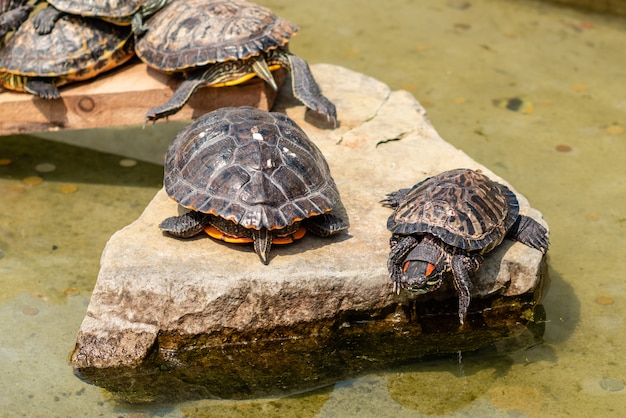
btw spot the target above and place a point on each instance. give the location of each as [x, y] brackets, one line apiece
[445, 223]
[247, 175]
[224, 43]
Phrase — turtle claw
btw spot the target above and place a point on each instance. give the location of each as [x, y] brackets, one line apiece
[530, 232]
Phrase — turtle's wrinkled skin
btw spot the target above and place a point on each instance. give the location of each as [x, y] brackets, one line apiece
[250, 174]
[222, 43]
[445, 223]
[118, 12]
[12, 14]
[76, 49]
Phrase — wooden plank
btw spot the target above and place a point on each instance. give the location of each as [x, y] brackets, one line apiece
[122, 97]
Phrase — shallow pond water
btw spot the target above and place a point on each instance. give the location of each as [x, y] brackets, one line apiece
[562, 144]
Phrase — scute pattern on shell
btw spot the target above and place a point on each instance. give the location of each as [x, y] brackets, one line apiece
[256, 168]
[75, 45]
[194, 33]
[462, 207]
[98, 8]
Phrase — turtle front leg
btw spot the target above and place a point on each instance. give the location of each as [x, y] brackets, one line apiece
[45, 20]
[12, 19]
[186, 225]
[400, 247]
[306, 89]
[462, 265]
[260, 68]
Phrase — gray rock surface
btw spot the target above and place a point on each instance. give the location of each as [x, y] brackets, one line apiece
[158, 296]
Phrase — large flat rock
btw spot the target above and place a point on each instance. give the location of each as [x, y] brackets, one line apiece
[220, 323]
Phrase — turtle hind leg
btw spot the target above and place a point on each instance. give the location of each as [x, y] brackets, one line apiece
[306, 89]
[529, 232]
[393, 199]
[325, 225]
[180, 97]
[186, 225]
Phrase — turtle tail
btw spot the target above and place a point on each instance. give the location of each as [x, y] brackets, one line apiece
[262, 244]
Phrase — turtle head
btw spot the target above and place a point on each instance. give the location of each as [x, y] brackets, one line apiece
[423, 268]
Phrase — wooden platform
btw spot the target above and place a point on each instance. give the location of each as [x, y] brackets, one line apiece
[120, 98]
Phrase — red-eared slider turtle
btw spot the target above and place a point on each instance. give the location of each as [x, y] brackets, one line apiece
[444, 223]
[249, 176]
[119, 12]
[224, 43]
[76, 49]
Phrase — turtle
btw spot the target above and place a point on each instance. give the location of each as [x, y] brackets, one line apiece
[224, 43]
[250, 176]
[76, 49]
[445, 223]
[118, 12]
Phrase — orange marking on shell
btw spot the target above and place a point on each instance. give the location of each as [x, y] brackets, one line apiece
[217, 234]
[287, 239]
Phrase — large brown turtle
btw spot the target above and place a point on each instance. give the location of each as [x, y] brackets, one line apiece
[444, 223]
[247, 175]
[224, 43]
[76, 49]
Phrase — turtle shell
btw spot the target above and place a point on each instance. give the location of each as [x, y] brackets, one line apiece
[77, 47]
[195, 33]
[462, 207]
[255, 168]
[112, 9]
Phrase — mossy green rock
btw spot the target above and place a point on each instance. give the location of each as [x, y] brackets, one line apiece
[181, 319]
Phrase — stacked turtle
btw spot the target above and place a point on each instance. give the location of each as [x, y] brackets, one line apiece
[69, 40]
[224, 43]
[209, 42]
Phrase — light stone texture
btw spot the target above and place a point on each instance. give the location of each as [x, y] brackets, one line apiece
[151, 283]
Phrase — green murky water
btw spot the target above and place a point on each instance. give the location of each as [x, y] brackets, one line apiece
[565, 150]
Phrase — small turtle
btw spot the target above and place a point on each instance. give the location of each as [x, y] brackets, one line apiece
[118, 12]
[224, 43]
[444, 223]
[76, 49]
[249, 175]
